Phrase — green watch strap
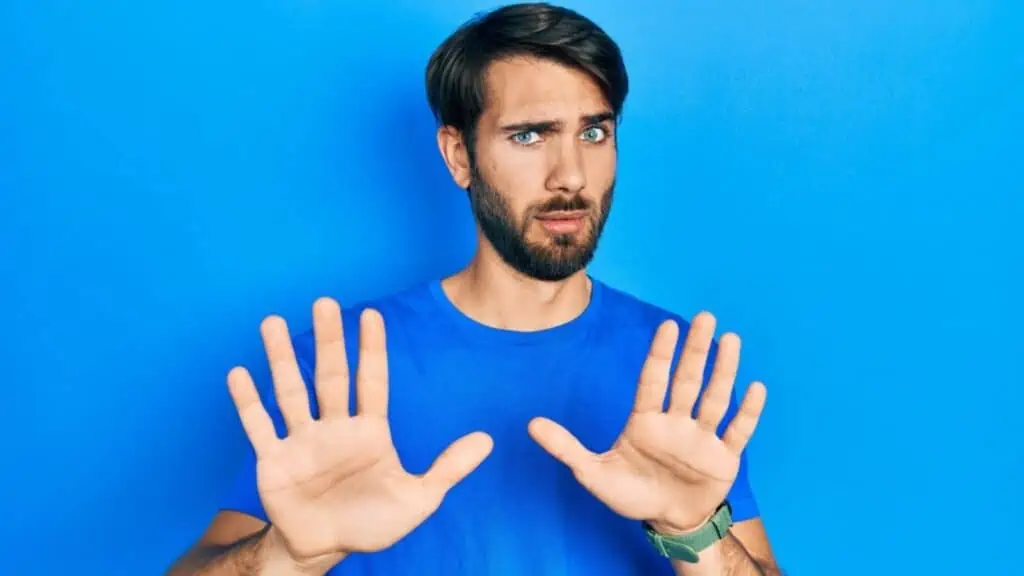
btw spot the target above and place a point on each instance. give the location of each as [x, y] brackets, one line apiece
[687, 547]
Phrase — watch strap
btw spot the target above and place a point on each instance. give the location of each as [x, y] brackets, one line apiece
[687, 547]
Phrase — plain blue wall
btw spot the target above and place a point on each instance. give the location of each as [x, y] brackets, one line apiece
[838, 181]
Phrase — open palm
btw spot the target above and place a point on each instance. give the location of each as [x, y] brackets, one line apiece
[667, 467]
[334, 484]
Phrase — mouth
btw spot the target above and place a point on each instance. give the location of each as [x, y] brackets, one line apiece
[563, 222]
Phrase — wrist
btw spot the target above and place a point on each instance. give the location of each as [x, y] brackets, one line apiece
[279, 559]
[687, 543]
[669, 528]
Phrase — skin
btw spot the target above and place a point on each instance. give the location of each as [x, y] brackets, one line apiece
[515, 174]
[575, 156]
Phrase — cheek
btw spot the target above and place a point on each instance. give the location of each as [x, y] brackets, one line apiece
[518, 176]
[600, 166]
[512, 169]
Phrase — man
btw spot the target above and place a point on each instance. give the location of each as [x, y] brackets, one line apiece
[522, 359]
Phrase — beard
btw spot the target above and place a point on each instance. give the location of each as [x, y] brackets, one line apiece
[558, 258]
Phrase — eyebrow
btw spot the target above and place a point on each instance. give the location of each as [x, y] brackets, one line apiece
[552, 125]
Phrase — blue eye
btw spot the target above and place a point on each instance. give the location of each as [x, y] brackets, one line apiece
[524, 138]
[594, 134]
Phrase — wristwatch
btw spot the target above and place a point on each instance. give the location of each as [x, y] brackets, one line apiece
[687, 547]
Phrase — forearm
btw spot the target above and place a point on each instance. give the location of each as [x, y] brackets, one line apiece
[726, 558]
[260, 554]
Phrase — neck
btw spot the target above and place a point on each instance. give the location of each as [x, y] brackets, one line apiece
[494, 294]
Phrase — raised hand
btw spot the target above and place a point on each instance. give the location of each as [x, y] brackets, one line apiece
[667, 467]
[334, 485]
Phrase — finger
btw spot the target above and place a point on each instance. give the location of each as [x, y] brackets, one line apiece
[653, 384]
[715, 400]
[743, 424]
[372, 375]
[562, 445]
[692, 362]
[456, 462]
[289, 388]
[332, 379]
[258, 426]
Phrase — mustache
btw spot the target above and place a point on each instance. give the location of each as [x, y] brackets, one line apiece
[562, 204]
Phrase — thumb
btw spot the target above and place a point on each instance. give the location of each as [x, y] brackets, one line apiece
[561, 444]
[457, 461]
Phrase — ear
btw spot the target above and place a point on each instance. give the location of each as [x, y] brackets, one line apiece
[456, 156]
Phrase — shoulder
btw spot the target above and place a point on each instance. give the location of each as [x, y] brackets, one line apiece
[400, 306]
[627, 322]
[626, 312]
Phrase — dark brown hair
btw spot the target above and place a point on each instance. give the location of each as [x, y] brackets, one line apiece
[456, 70]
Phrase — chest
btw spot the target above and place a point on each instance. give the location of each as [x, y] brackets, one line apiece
[521, 511]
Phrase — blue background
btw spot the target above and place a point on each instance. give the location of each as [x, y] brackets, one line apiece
[838, 181]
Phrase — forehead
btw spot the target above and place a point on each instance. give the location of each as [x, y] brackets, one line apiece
[531, 88]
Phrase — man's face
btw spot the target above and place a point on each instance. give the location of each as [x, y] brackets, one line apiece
[543, 171]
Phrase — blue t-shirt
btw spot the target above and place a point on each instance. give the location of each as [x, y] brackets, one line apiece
[522, 511]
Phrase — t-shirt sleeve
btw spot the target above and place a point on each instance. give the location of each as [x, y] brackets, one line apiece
[242, 494]
[741, 495]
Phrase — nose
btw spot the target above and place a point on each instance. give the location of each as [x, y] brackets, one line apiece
[566, 175]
